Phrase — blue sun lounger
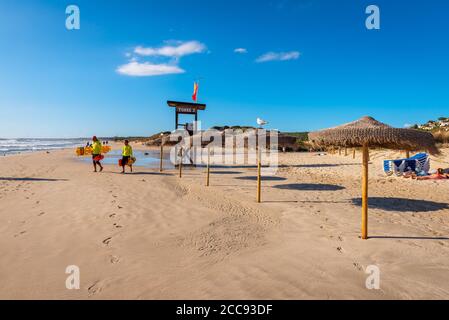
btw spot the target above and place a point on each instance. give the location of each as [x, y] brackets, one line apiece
[417, 163]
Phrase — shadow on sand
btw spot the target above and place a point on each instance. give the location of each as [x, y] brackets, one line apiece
[250, 166]
[225, 172]
[266, 178]
[309, 187]
[402, 205]
[30, 179]
[145, 173]
[408, 238]
[319, 165]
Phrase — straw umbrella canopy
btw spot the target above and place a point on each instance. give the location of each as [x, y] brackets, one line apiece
[368, 132]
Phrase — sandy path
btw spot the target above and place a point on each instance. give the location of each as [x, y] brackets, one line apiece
[153, 236]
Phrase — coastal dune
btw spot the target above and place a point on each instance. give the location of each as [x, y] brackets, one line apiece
[151, 235]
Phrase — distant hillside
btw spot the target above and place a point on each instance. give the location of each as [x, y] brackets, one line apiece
[288, 141]
[439, 128]
[302, 136]
[442, 124]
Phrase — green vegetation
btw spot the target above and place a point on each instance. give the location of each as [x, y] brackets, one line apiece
[302, 136]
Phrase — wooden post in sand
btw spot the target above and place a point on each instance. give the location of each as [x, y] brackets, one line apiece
[180, 163]
[339, 151]
[407, 154]
[208, 166]
[259, 180]
[353, 153]
[162, 154]
[346, 151]
[365, 192]
[259, 184]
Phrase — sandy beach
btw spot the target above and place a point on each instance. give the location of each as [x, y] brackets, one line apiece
[149, 235]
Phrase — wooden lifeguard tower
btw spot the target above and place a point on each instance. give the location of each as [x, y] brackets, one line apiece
[189, 108]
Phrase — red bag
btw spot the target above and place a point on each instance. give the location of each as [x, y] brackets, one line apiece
[99, 158]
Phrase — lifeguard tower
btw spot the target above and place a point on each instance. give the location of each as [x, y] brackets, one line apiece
[189, 108]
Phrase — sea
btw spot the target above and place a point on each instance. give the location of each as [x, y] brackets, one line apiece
[15, 146]
[148, 159]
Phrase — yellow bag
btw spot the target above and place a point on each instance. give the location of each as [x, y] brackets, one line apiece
[80, 151]
[106, 149]
[87, 151]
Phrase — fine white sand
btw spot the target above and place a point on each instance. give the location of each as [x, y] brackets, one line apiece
[155, 236]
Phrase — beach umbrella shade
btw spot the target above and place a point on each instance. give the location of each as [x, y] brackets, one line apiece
[368, 132]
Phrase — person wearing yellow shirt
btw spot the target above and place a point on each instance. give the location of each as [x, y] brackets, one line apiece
[96, 153]
[127, 153]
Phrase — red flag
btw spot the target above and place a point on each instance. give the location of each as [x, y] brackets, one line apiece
[195, 91]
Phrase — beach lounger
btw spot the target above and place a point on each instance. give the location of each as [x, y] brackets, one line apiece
[417, 163]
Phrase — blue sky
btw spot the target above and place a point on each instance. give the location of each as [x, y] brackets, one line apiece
[306, 64]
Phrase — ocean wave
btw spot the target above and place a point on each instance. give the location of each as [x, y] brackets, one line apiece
[8, 146]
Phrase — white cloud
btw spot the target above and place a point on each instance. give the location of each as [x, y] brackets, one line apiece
[240, 50]
[162, 60]
[176, 51]
[136, 69]
[278, 56]
[408, 125]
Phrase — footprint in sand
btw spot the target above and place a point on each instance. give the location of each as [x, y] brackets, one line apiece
[114, 259]
[41, 214]
[119, 207]
[19, 234]
[340, 249]
[94, 288]
[112, 215]
[358, 266]
[117, 226]
[107, 240]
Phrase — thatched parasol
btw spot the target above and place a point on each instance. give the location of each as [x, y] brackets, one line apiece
[376, 134]
[368, 132]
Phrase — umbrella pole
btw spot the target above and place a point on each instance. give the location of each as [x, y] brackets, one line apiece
[180, 164]
[353, 153]
[162, 153]
[365, 192]
[346, 151]
[407, 154]
[208, 166]
[259, 184]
